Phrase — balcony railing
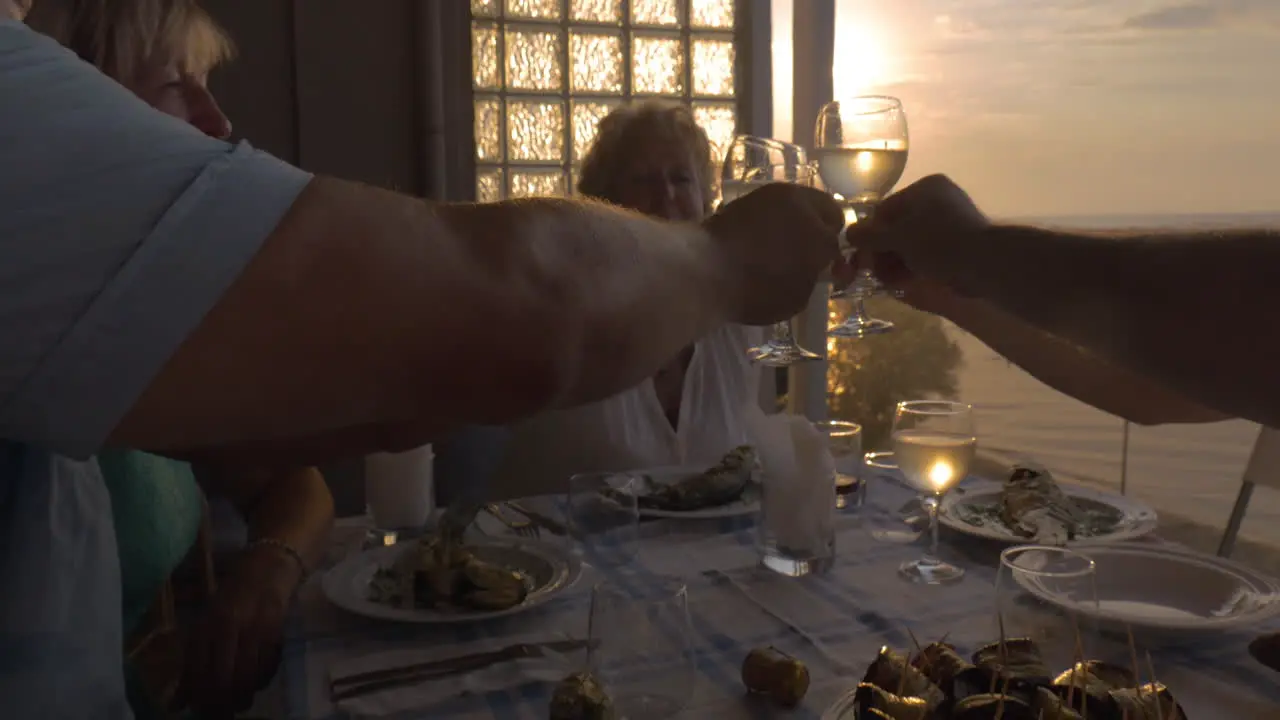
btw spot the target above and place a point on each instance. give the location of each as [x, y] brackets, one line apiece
[1191, 474]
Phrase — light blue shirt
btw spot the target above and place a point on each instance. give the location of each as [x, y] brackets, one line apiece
[120, 227]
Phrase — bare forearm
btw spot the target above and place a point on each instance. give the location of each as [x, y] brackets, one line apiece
[388, 311]
[627, 292]
[1182, 310]
[1073, 371]
[296, 508]
[293, 506]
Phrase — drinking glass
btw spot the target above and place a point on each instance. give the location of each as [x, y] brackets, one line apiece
[860, 147]
[604, 518]
[750, 163]
[641, 648]
[934, 442]
[1049, 596]
[845, 441]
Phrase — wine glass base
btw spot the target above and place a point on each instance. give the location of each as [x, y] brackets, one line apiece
[930, 572]
[865, 328]
[779, 355]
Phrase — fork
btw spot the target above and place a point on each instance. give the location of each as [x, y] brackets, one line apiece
[522, 528]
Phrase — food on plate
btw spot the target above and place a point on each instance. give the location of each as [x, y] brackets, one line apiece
[775, 674]
[718, 485]
[1004, 681]
[1033, 506]
[440, 573]
[580, 697]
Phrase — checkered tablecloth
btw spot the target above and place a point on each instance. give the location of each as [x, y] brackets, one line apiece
[835, 623]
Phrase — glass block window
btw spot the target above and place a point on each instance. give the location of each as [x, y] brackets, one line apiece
[544, 72]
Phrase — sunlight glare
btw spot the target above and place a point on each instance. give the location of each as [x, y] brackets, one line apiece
[940, 474]
[861, 59]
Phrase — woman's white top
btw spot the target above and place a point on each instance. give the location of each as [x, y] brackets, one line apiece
[631, 431]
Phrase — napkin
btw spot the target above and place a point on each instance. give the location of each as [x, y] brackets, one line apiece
[399, 487]
[799, 480]
[551, 669]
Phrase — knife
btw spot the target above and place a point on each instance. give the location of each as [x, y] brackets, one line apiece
[372, 681]
[553, 526]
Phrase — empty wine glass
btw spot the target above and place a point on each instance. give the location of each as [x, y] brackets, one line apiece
[934, 442]
[860, 147]
[750, 163]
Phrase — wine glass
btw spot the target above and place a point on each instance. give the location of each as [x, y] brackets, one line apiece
[642, 647]
[750, 163]
[1049, 596]
[604, 517]
[860, 147]
[934, 442]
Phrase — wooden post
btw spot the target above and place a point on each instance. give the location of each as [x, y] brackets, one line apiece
[813, 46]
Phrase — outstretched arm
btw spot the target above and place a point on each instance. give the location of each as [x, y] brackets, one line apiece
[1187, 311]
[1069, 368]
[389, 309]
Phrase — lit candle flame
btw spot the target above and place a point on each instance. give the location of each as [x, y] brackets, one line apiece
[941, 473]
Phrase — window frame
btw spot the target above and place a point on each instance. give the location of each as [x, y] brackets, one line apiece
[752, 98]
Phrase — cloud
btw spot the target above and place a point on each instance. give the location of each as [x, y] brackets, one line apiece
[1254, 14]
[1180, 17]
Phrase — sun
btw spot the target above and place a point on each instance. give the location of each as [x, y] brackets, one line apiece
[861, 61]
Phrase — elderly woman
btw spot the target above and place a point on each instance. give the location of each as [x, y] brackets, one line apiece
[651, 157]
[162, 50]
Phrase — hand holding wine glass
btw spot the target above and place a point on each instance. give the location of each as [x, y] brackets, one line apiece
[924, 227]
[751, 165]
[773, 245]
[861, 150]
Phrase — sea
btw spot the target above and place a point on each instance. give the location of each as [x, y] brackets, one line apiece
[1192, 471]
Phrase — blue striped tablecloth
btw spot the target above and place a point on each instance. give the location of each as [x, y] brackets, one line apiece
[835, 623]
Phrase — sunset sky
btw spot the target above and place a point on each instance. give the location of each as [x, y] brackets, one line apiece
[1054, 107]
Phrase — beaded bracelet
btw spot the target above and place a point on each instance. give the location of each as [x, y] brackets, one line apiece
[284, 547]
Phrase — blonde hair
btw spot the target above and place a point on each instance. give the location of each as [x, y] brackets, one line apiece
[624, 129]
[120, 36]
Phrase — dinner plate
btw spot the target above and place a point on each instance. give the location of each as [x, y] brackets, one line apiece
[1110, 517]
[1150, 587]
[747, 503]
[549, 571]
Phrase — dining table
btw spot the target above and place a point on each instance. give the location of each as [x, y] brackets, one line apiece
[835, 622]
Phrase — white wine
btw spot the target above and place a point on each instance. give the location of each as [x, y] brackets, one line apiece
[933, 461]
[861, 175]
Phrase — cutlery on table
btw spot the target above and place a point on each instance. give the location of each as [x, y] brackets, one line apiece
[365, 683]
[548, 523]
[523, 528]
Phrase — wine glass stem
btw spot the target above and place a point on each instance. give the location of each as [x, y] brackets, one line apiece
[782, 333]
[931, 505]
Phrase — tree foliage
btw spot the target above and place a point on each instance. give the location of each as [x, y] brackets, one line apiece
[866, 378]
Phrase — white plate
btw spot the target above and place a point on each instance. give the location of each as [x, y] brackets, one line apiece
[551, 570]
[747, 504]
[1150, 587]
[975, 512]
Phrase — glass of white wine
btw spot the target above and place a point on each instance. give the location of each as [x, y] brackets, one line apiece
[750, 163]
[934, 442]
[860, 147]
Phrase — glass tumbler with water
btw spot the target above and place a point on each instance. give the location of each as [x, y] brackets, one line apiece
[604, 518]
[1046, 605]
[642, 650]
[934, 442]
